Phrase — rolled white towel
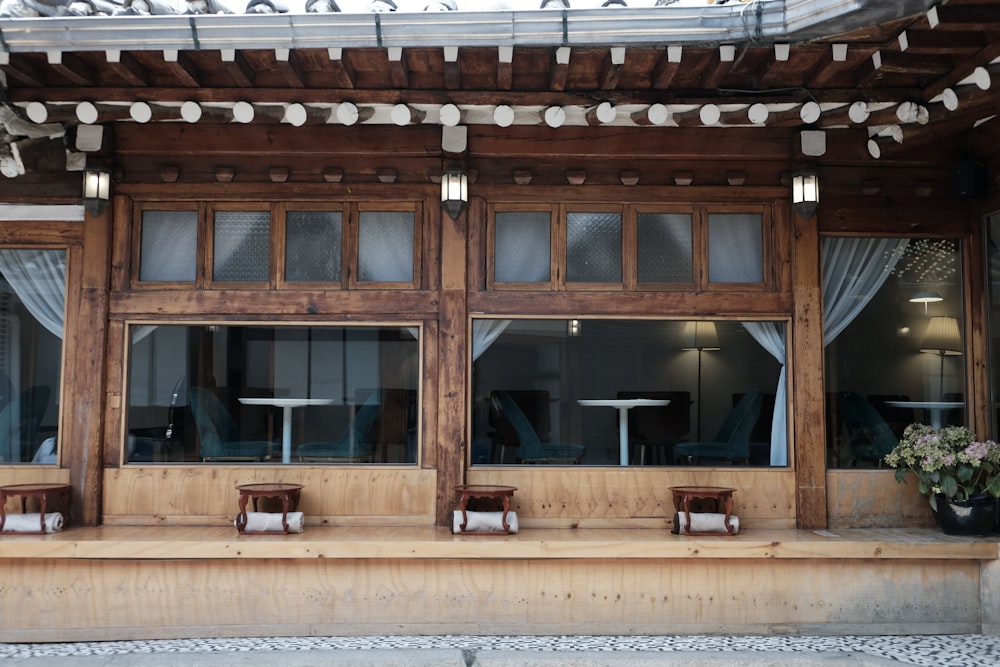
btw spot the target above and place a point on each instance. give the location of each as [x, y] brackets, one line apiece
[705, 522]
[483, 522]
[32, 522]
[270, 522]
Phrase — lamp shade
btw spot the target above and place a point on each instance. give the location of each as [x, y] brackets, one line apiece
[805, 192]
[96, 190]
[942, 337]
[701, 336]
[926, 297]
[454, 191]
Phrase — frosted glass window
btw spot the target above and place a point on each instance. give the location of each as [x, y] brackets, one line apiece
[594, 247]
[735, 248]
[385, 246]
[313, 246]
[169, 246]
[522, 247]
[242, 246]
[665, 248]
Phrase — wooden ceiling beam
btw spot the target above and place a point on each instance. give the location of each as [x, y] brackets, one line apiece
[127, 67]
[287, 67]
[963, 43]
[182, 68]
[963, 70]
[666, 68]
[452, 72]
[398, 72]
[341, 69]
[559, 68]
[72, 68]
[505, 67]
[614, 62]
[981, 17]
[239, 70]
[25, 73]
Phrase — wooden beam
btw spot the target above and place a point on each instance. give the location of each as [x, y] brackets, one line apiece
[124, 65]
[287, 67]
[666, 67]
[559, 68]
[505, 60]
[342, 70]
[452, 72]
[398, 71]
[182, 68]
[613, 64]
[72, 68]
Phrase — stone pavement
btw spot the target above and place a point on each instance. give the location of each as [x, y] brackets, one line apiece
[521, 651]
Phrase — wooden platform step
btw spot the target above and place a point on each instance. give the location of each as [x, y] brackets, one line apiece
[212, 543]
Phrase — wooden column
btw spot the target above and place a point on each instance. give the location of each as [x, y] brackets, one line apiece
[805, 375]
[85, 337]
[450, 446]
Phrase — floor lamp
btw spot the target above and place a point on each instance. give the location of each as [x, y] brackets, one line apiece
[943, 339]
[700, 336]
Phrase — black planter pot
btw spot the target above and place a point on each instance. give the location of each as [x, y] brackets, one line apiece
[966, 517]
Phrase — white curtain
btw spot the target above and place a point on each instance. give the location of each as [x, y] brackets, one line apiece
[484, 332]
[39, 279]
[854, 269]
[771, 336]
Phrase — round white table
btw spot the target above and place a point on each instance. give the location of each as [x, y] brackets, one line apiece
[935, 409]
[623, 405]
[286, 405]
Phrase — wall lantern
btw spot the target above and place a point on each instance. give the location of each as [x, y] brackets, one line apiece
[96, 189]
[454, 191]
[805, 192]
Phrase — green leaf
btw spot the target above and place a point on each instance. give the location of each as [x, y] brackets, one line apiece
[949, 487]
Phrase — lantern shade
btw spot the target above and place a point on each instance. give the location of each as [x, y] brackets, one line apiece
[454, 191]
[96, 190]
[805, 192]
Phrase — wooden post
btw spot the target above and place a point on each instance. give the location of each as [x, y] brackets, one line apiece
[805, 375]
[452, 413]
[82, 419]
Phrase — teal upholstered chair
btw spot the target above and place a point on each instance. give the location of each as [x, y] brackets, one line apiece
[355, 444]
[868, 434]
[732, 441]
[219, 433]
[530, 448]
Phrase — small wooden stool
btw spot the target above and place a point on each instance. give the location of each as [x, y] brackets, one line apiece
[40, 491]
[287, 493]
[683, 495]
[467, 491]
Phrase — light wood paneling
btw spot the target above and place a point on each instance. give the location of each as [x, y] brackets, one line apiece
[873, 498]
[59, 600]
[207, 494]
[638, 497]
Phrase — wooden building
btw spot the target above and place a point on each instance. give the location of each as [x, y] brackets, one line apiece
[274, 229]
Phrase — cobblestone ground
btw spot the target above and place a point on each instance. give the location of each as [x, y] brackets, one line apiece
[924, 650]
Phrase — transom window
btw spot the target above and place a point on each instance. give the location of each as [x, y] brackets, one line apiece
[346, 246]
[629, 247]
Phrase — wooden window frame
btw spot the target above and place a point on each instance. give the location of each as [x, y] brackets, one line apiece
[630, 212]
[350, 224]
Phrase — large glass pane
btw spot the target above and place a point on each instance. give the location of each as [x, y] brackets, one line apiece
[169, 249]
[385, 247]
[735, 248]
[522, 247]
[594, 247]
[665, 248]
[553, 391]
[313, 246]
[242, 246]
[895, 342]
[219, 393]
[32, 312]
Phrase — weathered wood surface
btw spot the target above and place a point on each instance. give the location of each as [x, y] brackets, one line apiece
[585, 497]
[50, 599]
[430, 543]
[206, 495]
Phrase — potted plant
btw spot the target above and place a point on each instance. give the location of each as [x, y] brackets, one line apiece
[958, 475]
